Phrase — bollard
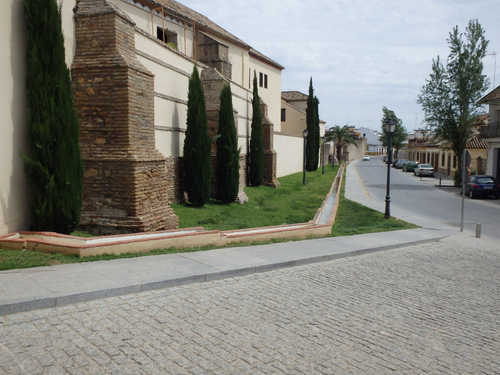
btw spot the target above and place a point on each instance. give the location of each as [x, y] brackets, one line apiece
[478, 230]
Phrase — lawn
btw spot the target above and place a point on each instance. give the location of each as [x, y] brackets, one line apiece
[291, 203]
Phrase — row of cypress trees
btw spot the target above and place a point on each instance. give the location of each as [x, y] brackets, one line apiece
[53, 165]
[197, 167]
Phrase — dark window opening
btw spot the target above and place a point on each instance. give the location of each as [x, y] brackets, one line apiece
[167, 36]
[283, 114]
[263, 80]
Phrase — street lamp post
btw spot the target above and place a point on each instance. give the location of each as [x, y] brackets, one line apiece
[304, 134]
[390, 126]
[323, 155]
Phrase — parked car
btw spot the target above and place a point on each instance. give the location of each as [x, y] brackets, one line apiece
[366, 158]
[409, 166]
[423, 170]
[384, 159]
[400, 163]
[394, 162]
[482, 186]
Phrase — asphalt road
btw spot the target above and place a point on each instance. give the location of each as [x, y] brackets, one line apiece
[419, 200]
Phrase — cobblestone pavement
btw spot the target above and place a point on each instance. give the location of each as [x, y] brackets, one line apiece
[426, 309]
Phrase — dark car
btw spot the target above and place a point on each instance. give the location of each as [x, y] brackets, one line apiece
[400, 163]
[482, 186]
[409, 166]
[394, 162]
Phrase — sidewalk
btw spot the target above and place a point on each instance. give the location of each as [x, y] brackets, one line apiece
[36, 288]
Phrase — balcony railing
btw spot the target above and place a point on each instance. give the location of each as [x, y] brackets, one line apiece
[492, 131]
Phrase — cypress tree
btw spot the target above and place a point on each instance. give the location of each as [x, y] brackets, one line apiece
[197, 165]
[312, 147]
[317, 141]
[256, 156]
[53, 168]
[227, 168]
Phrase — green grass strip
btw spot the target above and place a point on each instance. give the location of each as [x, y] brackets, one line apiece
[291, 203]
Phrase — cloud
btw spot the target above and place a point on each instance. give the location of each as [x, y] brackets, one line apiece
[362, 55]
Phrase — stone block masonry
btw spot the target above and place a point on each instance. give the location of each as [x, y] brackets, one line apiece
[125, 180]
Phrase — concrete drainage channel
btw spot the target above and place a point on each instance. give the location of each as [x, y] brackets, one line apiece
[320, 225]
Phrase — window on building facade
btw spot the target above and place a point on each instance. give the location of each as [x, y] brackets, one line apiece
[167, 36]
[283, 114]
[263, 80]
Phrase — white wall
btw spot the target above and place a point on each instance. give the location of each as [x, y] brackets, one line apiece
[290, 156]
[171, 69]
[14, 210]
[272, 95]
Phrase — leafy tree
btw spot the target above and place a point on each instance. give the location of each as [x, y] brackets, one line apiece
[400, 134]
[53, 168]
[312, 122]
[449, 97]
[256, 154]
[197, 163]
[341, 136]
[227, 168]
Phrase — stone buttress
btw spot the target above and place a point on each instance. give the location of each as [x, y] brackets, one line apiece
[125, 179]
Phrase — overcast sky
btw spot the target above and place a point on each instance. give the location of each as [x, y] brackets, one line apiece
[361, 55]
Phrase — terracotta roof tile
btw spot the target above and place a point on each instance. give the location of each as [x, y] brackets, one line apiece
[293, 96]
[475, 142]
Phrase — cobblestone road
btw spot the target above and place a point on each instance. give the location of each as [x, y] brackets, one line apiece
[427, 309]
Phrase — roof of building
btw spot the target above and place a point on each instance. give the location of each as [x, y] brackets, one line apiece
[294, 96]
[475, 142]
[200, 22]
[491, 96]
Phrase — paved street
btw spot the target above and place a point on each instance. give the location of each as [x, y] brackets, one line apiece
[430, 308]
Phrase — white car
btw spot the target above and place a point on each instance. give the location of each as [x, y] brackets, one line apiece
[366, 158]
[424, 170]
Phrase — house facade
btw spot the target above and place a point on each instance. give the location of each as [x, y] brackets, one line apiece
[422, 147]
[130, 63]
[491, 134]
[292, 125]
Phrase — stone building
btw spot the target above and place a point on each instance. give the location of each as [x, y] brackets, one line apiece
[130, 62]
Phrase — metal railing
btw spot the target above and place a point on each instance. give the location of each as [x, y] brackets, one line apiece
[492, 131]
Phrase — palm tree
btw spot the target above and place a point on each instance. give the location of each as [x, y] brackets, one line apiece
[341, 136]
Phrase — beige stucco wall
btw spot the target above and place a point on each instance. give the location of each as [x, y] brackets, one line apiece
[14, 195]
[290, 154]
[493, 143]
[272, 95]
[13, 191]
[295, 120]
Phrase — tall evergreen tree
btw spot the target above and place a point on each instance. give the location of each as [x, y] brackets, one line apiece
[312, 122]
[256, 155]
[227, 170]
[53, 167]
[317, 130]
[197, 164]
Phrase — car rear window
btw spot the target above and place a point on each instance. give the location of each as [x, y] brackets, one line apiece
[485, 180]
